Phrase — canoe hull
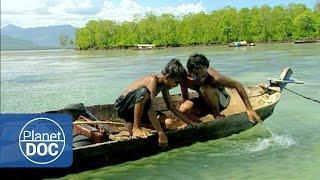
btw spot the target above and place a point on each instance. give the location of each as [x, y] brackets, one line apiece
[112, 153]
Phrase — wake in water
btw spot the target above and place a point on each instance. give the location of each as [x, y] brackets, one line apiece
[273, 142]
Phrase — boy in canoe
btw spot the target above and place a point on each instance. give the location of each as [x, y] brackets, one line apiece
[210, 85]
[135, 105]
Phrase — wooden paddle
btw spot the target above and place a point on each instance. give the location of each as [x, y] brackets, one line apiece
[94, 122]
[98, 122]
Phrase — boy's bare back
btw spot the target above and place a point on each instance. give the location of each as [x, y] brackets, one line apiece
[149, 81]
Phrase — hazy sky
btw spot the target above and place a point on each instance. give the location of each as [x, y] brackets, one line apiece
[35, 13]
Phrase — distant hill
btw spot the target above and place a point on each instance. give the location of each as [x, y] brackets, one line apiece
[39, 36]
[10, 43]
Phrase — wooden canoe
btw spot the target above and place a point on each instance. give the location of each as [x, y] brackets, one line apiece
[236, 121]
[262, 98]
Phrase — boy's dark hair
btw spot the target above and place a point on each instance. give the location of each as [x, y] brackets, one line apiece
[175, 70]
[197, 60]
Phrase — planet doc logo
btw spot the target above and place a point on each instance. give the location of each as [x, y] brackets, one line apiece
[42, 140]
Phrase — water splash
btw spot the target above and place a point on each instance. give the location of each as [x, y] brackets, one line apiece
[274, 141]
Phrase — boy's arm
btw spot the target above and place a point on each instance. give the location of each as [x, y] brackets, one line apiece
[171, 107]
[184, 92]
[151, 84]
[228, 82]
[163, 140]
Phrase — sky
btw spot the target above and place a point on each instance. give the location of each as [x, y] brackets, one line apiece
[36, 13]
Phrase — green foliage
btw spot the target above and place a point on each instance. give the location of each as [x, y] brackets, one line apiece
[304, 25]
[258, 24]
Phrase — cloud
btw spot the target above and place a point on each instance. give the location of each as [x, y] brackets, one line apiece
[35, 13]
[92, 10]
[82, 7]
[181, 9]
[18, 12]
[126, 10]
[190, 8]
[24, 7]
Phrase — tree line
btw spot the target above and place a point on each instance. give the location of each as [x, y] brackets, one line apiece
[257, 24]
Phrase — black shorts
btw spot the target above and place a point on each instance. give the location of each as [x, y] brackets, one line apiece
[124, 105]
[201, 108]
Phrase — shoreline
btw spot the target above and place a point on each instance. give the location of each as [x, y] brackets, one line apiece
[317, 40]
[200, 45]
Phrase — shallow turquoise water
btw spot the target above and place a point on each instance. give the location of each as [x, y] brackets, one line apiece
[286, 146]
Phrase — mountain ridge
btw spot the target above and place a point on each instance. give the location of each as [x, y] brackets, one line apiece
[45, 36]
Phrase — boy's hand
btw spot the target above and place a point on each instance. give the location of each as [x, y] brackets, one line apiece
[163, 140]
[253, 116]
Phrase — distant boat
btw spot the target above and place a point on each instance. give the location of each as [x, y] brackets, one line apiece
[240, 43]
[145, 46]
[306, 41]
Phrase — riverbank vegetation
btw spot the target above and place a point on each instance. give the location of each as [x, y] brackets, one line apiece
[258, 24]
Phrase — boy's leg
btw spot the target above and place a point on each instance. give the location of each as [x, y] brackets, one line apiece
[191, 109]
[165, 121]
[210, 96]
[138, 112]
[168, 123]
[186, 106]
[129, 126]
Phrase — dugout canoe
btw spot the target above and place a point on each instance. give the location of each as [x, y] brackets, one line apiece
[262, 97]
[118, 151]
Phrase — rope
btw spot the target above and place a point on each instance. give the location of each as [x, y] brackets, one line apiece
[315, 100]
[261, 94]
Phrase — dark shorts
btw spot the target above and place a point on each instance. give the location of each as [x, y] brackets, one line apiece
[201, 108]
[124, 105]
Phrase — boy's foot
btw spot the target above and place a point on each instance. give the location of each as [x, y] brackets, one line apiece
[183, 126]
[219, 116]
[140, 133]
